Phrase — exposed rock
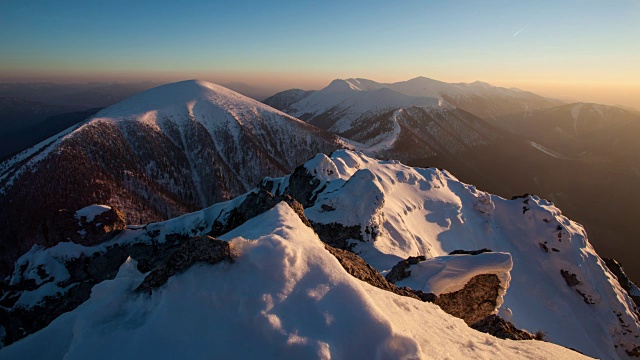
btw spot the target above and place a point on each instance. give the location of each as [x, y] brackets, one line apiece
[359, 269]
[617, 270]
[544, 247]
[84, 273]
[65, 226]
[302, 185]
[501, 328]
[635, 352]
[475, 301]
[470, 252]
[400, 272]
[20, 322]
[336, 235]
[572, 280]
[255, 204]
[194, 250]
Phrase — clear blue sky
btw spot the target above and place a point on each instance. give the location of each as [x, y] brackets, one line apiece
[567, 44]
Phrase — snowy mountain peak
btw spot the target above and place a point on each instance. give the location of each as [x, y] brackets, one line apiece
[158, 154]
[186, 93]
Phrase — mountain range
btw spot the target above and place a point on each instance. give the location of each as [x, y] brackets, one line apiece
[188, 218]
[295, 270]
[159, 154]
[583, 157]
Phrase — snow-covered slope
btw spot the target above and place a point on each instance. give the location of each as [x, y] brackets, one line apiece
[559, 285]
[158, 154]
[337, 106]
[388, 123]
[479, 98]
[284, 297]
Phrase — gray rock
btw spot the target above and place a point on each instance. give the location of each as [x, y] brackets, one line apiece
[358, 268]
[501, 328]
[400, 270]
[475, 301]
[198, 249]
[617, 270]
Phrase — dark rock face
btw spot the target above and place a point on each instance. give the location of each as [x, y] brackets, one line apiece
[103, 227]
[64, 226]
[167, 257]
[302, 185]
[570, 278]
[255, 204]
[475, 301]
[194, 250]
[501, 328]
[336, 235]
[400, 272]
[20, 322]
[359, 269]
[84, 273]
[572, 281]
[623, 279]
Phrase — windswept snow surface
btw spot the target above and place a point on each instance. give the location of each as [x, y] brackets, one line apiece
[285, 297]
[414, 211]
[446, 274]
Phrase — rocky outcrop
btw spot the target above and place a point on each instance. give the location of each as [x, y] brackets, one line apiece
[102, 227]
[174, 254]
[255, 203]
[572, 281]
[337, 235]
[400, 270]
[358, 268]
[20, 322]
[194, 250]
[626, 283]
[501, 328]
[66, 225]
[475, 301]
[302, 185]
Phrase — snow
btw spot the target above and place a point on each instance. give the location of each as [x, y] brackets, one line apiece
[202, 120]
[91, 211]
[446, 274]
[30, 157]
[347, 102]
[548, 151]
[285, 297]
[387, 140]
[415, 211]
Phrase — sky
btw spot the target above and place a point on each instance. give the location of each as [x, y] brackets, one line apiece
[574, 49]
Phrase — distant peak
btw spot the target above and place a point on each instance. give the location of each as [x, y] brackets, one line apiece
[342, 85]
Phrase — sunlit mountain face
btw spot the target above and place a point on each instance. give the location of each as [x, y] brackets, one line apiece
[338, 180]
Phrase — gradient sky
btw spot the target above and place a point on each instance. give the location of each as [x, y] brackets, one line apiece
[583, 50]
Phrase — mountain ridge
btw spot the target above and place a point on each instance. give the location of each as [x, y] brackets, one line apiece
[156, 155]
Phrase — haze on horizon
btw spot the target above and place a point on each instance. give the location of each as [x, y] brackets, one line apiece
[574, 50]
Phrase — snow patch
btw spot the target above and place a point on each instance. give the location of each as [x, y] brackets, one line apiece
[91, 211]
